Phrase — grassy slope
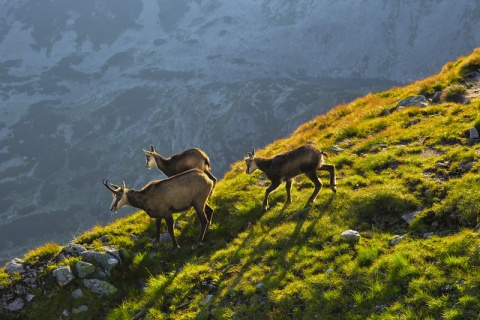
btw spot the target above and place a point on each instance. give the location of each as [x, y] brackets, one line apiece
[274, 265]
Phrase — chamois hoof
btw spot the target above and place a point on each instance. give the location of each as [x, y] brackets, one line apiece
[334, 189]
[196, 245]
[155, 243]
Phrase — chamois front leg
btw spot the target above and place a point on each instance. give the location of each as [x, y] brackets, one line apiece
[271, 188]
[203, 226]
[158, 223]
[331, 170]
[318, 185]
[169, 221]
[288, 186]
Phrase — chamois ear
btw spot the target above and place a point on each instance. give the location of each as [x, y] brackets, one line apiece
[123, 185]
[151, 147]
[253, 151]
[146, 151]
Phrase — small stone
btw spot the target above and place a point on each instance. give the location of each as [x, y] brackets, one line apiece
[474, 133]
[329, 271]
[77, 294]
[29, 297]
[80, 309]
[428, 235]
[396, 240]
[260, 285]
[350, 235]
[208, 299]
[15, 305]
[104, 238]
[65, 313]
[74, 249]
[409, 217]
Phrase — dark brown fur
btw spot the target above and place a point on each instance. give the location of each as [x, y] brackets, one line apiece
[286, 166]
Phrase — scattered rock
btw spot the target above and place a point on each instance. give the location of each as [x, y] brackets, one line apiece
[29, 297]
[77, 294]
[74, 249]
[336, 148]
[413, 101]
[80, 309]
[104, 259]
[16, 265]
[474, 133]
[208, 299]
[436, 96]
[329, 271]
[104, 238]
[165, 237]
[63, 275]
[100, 287]
[84, 269]
[428, 235]
[16, 305]
[350, 235]
[396, 240]
[260, 285]
[409, 217]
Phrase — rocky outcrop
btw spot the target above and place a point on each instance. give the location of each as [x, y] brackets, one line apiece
[91, 273]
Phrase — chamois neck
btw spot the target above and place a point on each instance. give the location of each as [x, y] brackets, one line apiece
[161, 161]
[263, 163]
[136, 199]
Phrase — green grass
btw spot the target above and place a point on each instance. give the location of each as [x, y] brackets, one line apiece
[290, 262]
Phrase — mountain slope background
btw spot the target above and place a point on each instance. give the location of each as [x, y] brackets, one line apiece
[86, 86]
[408, 183]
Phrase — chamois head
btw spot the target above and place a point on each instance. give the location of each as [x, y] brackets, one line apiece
[250, 162]
[150, 158]
[119, 195]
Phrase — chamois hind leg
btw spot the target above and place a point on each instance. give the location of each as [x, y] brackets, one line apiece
[288, 186]
[158, 223]
[209, 213]
[200, 210]
[271, 188]
[169, 221]
[331, 170]
[312, 175]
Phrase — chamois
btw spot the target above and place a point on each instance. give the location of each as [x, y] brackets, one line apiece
[284, 167]
[180, 162]
[161, 198]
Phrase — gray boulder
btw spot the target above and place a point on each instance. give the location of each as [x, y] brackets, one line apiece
[100, 287]
[413, 101]
[16, 265]
[84, 269]
[63, 275]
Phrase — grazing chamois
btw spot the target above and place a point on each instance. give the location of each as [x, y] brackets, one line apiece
[161, 198]
[286, 166]
[180, 162]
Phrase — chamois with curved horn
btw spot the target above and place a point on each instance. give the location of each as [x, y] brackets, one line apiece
[161, 198]
[286, 166]
[180, 162]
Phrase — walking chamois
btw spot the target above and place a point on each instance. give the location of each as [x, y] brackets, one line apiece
[286, 166]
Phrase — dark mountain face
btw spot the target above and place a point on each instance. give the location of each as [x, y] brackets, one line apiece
[85, 86]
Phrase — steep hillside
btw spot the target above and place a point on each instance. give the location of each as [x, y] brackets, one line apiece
[408, 184]
[84, 84]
